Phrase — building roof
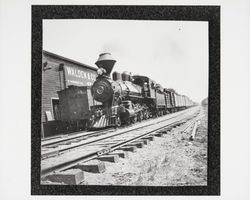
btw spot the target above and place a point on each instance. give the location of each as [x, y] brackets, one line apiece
[68, 60]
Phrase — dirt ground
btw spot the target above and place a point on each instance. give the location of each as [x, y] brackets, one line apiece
[171, 160]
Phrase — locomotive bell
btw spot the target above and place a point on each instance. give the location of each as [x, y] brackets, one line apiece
[106, 62]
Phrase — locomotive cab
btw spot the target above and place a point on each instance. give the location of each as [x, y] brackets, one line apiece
[148, 85]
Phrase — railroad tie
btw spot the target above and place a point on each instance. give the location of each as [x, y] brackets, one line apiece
[70, 177]
[145, 141]
[164, 131]
[137, 144]
[158, 134]
[94, 166]
[150, 138]
[120, 153]
[129, 148]
[109, 158]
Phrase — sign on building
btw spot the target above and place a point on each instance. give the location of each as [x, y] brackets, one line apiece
[78, 76]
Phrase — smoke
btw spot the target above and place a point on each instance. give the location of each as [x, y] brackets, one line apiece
[113, 48]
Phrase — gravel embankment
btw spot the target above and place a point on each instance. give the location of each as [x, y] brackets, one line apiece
[171, 160]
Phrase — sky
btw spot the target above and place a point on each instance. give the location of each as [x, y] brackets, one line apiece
[173, 53]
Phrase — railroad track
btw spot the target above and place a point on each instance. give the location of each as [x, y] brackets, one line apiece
[74, 136]
[109, 144]
[54, 148]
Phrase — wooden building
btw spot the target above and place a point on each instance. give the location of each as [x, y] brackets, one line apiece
[57, 74]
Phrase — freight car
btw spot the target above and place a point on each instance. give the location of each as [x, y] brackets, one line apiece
[170, 100]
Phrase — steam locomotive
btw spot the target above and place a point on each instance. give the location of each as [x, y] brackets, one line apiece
[120, 100]
[126, 99]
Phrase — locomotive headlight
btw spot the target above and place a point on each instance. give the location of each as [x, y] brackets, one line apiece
[101, 71]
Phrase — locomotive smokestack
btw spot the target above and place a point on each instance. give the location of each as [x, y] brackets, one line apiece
[106, 62]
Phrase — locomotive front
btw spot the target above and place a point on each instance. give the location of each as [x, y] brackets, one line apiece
[114, 94]
[103, 90]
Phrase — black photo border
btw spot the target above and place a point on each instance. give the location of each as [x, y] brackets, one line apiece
[211, 14]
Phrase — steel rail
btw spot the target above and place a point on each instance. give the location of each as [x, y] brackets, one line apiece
[78, 136]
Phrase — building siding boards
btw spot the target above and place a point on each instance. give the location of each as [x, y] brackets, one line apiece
[53, 79]
[51, 83]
